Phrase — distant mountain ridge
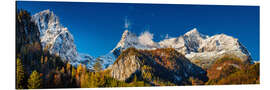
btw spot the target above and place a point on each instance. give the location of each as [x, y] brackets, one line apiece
[194, 45]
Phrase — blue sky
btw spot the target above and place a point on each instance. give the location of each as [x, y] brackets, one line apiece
[97, 27]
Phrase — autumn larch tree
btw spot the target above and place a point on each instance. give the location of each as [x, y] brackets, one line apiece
[19, 74]
[34, 80]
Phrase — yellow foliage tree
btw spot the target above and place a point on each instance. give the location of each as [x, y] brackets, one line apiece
[34, 81]
[68, 66]
[19, 74]
[79, 69]
[73, 72]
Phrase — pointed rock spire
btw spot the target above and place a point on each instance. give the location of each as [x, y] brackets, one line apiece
[194, 31]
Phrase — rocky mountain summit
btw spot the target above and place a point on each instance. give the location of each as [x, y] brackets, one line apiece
[57, 39]
[200, 49]
[164, 64]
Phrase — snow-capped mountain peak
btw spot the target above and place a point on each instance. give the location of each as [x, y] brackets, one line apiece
[54, 37]
[57, 38]
[194, 31]
[126, 32]
[48, 18]
[127, 39]
[192, 44]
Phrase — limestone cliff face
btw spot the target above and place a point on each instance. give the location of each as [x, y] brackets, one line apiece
[125, 67]
[165, 64]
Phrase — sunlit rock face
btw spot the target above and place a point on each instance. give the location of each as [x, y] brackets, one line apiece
[57, 38]
[166, 64]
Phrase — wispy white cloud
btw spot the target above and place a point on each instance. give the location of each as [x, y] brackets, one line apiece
[146, 38]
